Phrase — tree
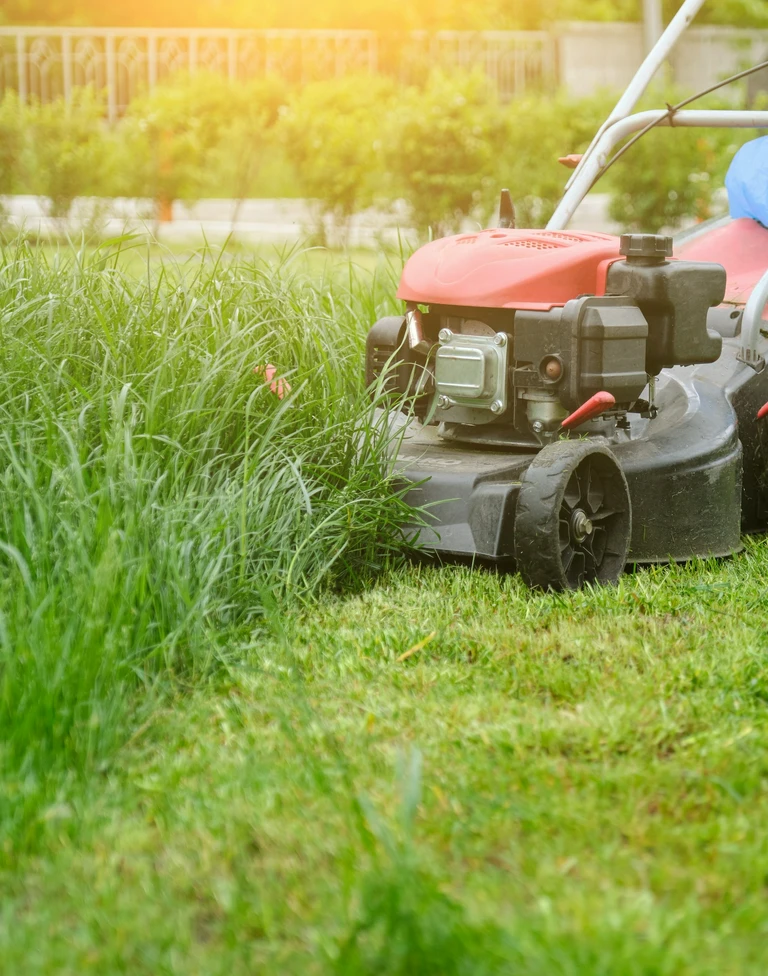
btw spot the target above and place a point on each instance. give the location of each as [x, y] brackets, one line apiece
[442, 149]
[671, 174]
[540, 129]
[69, 148]
[248, 135]
[169, 135]
[11, 141]
[332, 133]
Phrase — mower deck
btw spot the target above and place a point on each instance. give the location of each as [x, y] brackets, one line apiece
[692, 492]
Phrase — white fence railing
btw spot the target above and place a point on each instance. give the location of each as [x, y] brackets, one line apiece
[46, 63]
[49, 62]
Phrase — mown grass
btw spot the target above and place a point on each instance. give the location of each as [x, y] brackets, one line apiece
[437, 773]
[552, 784]
[156, 494]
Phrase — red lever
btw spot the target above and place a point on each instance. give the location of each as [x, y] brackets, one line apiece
[762, 412]
[594, 406]
[571, 161]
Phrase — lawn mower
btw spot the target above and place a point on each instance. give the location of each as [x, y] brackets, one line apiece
[580, 401]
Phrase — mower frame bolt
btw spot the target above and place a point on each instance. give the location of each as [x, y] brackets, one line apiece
[444, 402]
[497, 406]
[581, 525]
[445, 335]
[500, 339]
[537, 427]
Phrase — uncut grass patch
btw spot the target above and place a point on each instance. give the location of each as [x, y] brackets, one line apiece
[156, 494]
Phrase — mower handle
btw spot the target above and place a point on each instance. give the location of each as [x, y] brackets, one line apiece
[752, 324]
[644, 74]
[592, 164]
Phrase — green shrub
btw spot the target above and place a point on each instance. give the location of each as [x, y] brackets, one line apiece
[332, 134]
[247, 136]
[670, 175]
[666, 177]
[69, 149]
[168, 137]
[541, 128]
[446, 148]
[442, 149]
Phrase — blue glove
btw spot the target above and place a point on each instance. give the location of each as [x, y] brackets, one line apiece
[747, 181]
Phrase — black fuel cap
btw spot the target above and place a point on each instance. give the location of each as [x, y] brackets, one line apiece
[655, 247]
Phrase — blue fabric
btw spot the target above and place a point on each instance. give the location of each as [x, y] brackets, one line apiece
[747, 181]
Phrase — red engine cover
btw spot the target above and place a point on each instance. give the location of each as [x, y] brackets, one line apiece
[533, 269]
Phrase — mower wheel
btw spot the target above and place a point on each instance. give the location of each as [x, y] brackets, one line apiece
[573, 518]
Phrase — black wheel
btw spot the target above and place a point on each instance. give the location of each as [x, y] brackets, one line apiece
[573, 518]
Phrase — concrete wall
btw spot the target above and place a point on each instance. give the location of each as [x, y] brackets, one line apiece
[598, 55]
[592, 56]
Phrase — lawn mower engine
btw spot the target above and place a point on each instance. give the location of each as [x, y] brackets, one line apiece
[562, 391]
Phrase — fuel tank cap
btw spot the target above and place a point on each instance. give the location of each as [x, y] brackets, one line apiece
[655, 247]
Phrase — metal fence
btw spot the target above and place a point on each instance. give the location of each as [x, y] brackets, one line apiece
[46, 63]
[49, 62]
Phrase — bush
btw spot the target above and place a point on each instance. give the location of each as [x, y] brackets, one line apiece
[247, 136]
[446, 148]
[665, 178]
[332, 133]
[69, 149]
[442, 149]
[540, 129]
[671, 175]
[168, 137]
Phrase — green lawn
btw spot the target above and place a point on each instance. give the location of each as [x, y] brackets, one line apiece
[347, 765]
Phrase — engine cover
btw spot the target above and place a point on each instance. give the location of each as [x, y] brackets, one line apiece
[525, 269]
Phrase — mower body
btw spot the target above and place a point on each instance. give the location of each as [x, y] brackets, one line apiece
[577, 401]
[506, 335]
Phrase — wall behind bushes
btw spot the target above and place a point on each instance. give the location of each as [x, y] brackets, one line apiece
[446, 148]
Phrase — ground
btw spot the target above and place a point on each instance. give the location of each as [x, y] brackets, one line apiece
[587, 775]
[240, 733]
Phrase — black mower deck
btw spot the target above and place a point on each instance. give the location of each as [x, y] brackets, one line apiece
[692, 492]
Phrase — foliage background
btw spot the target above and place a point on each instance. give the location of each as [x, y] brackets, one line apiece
[370, 14]
[445, 148]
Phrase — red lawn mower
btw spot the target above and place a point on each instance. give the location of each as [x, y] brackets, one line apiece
[581, 401]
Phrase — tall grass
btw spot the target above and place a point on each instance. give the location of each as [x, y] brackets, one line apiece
[156, 494]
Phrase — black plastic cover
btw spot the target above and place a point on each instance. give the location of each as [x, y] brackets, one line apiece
[611, 336]
[675, 297]
[655, 247]
[387, 352]
[601, 342]
[384, 340]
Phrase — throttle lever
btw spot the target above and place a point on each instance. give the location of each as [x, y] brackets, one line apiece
[594, 406]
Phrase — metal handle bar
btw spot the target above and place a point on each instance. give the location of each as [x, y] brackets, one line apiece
[590, 169]
[653, 61]
[752, 324]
